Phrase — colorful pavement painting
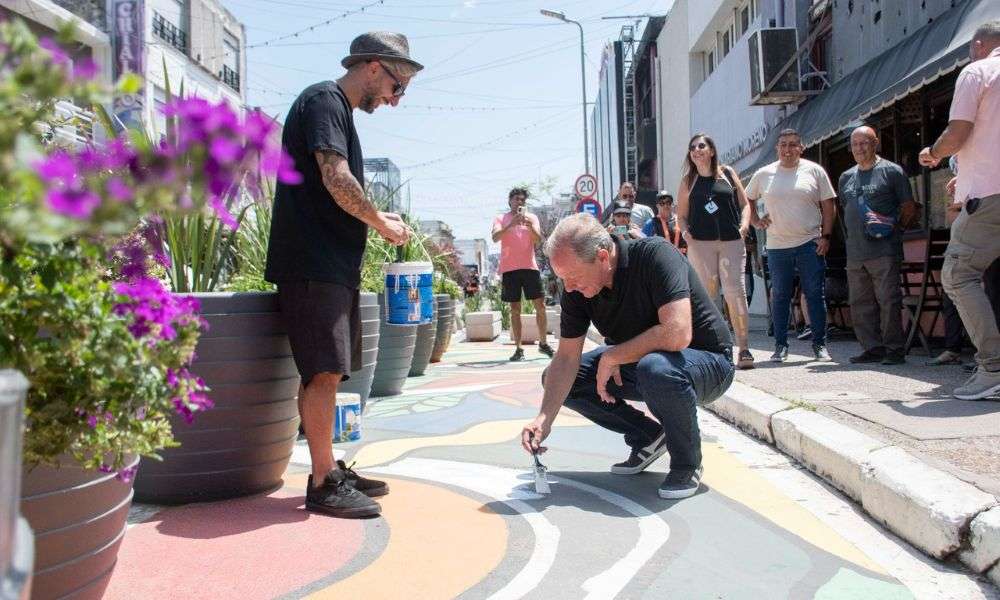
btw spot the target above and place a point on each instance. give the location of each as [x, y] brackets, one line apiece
[463, 520]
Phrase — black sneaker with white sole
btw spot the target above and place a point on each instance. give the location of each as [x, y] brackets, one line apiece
[681, 483]
[368, 487]
[640, 458]
[337, 498]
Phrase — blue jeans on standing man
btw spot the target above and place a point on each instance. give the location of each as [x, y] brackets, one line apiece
[811, 267]
[672, 384]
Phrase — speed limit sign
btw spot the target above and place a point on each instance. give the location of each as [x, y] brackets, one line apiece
[585, 186]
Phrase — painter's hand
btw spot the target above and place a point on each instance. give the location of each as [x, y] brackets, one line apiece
[391, 227]
[534, 433]
[607, 368]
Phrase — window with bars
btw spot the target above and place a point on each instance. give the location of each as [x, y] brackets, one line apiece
[169, 33]
[744, 19]
[230, 77]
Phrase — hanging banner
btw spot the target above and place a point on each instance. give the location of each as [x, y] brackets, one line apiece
[129, 57]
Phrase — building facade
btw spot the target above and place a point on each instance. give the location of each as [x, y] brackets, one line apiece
[473, 254]
[607, 125]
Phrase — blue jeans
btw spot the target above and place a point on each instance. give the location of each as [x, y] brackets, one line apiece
[812, 274]
[672, 384]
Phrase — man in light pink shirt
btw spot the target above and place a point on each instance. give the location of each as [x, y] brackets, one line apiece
[973, 133]
[518, 232]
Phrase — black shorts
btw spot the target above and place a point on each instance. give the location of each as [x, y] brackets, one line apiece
[324, 327]
[528, 281]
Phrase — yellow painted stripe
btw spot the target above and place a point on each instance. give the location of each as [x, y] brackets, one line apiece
[431, 553]
[728, 476]
[491, 432]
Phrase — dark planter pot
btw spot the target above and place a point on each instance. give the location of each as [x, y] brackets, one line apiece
[445, 309]
[79, 518]
[243, 444]
[361, 380]
[426, 334]
[395, 355]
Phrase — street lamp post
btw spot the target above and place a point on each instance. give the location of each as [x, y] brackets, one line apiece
[583, 84]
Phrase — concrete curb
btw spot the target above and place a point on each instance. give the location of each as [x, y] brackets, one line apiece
[933, 510]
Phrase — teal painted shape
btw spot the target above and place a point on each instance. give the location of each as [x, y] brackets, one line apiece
[851, 585]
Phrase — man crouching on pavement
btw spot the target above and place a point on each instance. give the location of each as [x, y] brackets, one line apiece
[667, 346]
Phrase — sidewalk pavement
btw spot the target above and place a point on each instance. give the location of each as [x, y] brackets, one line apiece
[890, 437]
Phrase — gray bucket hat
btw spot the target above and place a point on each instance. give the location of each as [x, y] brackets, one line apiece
[376, 45]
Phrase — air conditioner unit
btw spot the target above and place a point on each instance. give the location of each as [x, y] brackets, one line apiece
[770, 50]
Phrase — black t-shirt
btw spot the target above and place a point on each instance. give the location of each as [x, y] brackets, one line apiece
[884, 187]
[651, 272]
[713, 211]
[312, 238]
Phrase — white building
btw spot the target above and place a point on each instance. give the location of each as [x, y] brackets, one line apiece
[473, 254]
[674, 79]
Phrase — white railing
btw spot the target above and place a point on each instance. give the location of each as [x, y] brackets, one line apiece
[74, 125]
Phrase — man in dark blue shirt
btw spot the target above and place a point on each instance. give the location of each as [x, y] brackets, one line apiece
[667, 346]
[318, 233]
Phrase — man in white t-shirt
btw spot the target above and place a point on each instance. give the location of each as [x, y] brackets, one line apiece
[799, 212]
[973, 133]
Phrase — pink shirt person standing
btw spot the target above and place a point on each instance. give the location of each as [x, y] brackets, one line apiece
[518, 232]
[973, 133]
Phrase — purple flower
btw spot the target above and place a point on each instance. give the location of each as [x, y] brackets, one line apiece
[85, 69]
[257, 128]
[79, 204]
[59, 55]
[92, 421]
[172, 380]
[225, 150]
[183, 410]
[57, 167]
[223, 213]
[119, 190]
[125, 475]
[105, 468]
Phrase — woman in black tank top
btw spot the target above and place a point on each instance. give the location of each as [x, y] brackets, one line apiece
[714, 217]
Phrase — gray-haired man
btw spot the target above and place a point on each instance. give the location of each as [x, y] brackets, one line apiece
[318, 236]
[667, 346]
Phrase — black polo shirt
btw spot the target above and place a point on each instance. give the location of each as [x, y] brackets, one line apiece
[312, 238]
[651, 272]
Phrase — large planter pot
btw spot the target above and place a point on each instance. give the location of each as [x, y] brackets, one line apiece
[79, 517]
[426, 334]
[243, 444]
[361, 380]
[17, 542]
[529, 329]
[395, 355]
[445, 310]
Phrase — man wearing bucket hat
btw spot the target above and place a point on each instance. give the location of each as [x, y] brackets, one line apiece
[318, 234]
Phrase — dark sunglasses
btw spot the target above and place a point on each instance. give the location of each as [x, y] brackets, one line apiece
[698, 146]
[397, 90]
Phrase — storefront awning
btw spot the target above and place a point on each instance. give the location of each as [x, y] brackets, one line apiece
[932, 51]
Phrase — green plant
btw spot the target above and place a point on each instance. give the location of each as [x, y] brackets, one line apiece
[251, 246]
[527, 306]
[444, 285]
[493, 294]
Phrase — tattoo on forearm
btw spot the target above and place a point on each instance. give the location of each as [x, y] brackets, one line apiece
[346, 190]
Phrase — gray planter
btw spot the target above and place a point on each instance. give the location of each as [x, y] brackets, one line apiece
[395, 355]
[445, 309]
[17, 543]
[426, 334]
[79, 517]
[243, 444]
[361, 380]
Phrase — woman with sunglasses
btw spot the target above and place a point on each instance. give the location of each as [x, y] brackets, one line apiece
[714, 218]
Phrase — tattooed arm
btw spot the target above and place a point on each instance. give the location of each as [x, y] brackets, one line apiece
[348, 194]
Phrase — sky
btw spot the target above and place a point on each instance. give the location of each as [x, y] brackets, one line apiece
[498, 102]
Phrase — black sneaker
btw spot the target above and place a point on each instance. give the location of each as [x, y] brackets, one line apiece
[546, 350]
[894, 358]
[337, 498]
[640, 458]
[368, 487]
[681, 483]
[868, 356]
[518, 355]
[780, 353]
[805, 334]
[821, 353]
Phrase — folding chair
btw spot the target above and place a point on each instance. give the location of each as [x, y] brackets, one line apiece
[922, 290]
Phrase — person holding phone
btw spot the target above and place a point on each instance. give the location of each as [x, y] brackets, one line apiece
[518, 232]
[622, 224]
[714, 217]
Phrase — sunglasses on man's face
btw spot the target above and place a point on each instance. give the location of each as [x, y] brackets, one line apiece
[397, 90]
[698, 146]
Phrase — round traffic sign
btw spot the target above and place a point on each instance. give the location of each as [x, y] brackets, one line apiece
[589, 205]
[585, 186]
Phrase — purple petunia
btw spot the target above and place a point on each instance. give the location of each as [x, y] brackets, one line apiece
[58, 55]
[76, 203]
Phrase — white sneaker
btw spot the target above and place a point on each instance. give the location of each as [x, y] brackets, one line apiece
[640, 458]
[980, 386]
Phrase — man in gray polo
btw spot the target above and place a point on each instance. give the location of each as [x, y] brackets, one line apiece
[875, 185]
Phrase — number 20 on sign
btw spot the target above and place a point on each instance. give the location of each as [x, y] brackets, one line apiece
[585, 186]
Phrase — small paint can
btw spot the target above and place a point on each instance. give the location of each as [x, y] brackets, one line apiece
[347, 418]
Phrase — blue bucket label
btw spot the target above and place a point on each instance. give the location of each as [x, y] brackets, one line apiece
[347, 423]
[409, 299]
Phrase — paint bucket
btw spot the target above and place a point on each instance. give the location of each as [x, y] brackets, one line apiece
[347, 418]
[409, 295]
